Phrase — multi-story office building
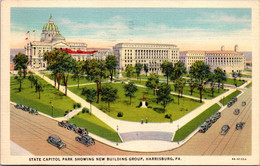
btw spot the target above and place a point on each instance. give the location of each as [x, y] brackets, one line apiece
[153, 55]
[189, 57]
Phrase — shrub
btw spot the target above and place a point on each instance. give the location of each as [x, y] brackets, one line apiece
[78, 105]
[74, 105]
[146, 103]
[85, 110]
[120, 114]
[168, 116]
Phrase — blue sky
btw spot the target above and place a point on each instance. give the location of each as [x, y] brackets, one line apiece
[189, 28]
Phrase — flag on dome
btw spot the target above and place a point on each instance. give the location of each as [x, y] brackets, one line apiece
[27, 32]
[33, 31]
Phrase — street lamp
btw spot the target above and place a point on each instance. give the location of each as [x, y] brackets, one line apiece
[52, 109]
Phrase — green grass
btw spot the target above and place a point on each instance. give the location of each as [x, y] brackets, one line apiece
[249, 85]
[95, 125]
[132, 113]
[28, 97]
[188, 128]
[229, 97]
[231, 81]
[246, 75]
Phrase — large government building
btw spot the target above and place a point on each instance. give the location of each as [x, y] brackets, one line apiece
[52, 39]
[153, 55]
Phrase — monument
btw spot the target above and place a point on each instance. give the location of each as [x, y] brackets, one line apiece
[143, 103]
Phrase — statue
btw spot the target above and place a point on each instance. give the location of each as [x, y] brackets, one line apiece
[143, 104]
[143, 96]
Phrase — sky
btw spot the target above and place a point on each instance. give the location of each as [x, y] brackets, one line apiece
[188, 28]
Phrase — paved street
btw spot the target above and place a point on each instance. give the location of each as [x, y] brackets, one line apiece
[31, 131]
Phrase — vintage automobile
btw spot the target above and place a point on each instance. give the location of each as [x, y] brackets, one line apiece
[217, 114]
[224, 129]
[230, 103]
[208, 122]
[71, 126]
[240, 125]
[81, 131]
[25, 108]
[86, 140]
[203, 128]
[236, 111]
[33, 111]
[63, 123]
[18, 106]
[56, 141]
[243, 103]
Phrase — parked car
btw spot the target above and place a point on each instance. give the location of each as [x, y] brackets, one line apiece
[25, 108]
[86, 140]
[56, 141]
[218, 114]
[18, 106]
[240, 125]
[203, 128]
[236, 111]
[208, 122]
[63, 123]
[81, 131]
[234, 98]
[33, 111]
[243, 103]
[224, 129]
[230, 103]
[71, 126]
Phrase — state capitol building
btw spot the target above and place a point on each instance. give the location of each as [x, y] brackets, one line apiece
[153, 55]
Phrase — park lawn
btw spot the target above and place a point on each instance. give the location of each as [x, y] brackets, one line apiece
[95, 125]
[246, 75]
[50, 96]
[229, 97]
[189, 127]
[249, 85]
[154, 113]
[231, 81]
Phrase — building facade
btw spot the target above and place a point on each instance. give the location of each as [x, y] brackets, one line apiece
[189, 57]
[153, 55]
[51, 39]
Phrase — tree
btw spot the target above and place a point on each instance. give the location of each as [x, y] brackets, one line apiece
[111, 63]
[39, 87]
[78, 70]
[108, 95]
[20, 61]
[178, 70]
[153, 81]
[138, 68]
[212, 80]
[129, 70]
[90, 95]
[130, 90]
[220, 76]
[163, 95]
[239, 75]
[19, 78]
[97, 71]
[234, 75]
[31, 78]
[146, 69]
[192, 84]
[200, 72]
[180, 83]
[167, 69]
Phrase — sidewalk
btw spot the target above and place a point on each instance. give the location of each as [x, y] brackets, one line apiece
[127, 126]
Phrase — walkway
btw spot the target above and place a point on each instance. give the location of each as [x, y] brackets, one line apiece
[136, 127]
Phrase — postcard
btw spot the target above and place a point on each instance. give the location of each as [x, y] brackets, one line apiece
[130, 82]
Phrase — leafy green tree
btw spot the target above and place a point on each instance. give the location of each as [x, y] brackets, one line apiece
[130, 90]
[31, 78]
[111, 63]
[39, 87]
[167, 69]
[234, 75]
[200, 72]
[163, 95]
[19, 79]
[239, 75]
[220, 76]
[178, 70]
[129, 71]
[90, 95]
[153, 82]
[20, 61]
[180, 83]
[97, 71]
[78, 70]
[192, 84]
[108, 95]
[138, 68]
[146, 69]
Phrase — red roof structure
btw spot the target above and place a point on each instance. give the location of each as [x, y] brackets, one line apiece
[69, 51]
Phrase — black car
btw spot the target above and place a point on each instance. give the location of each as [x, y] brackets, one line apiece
[240, 125]
[243, 103]
[63, 123]
[86, 140]
[25, 108]
[71, 126]
[18, 106]
[203, 128]
[81, 131]
[236, 111]
[224, 129]
[56, 141]
[33, 111]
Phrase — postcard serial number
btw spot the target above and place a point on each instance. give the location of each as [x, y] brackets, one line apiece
[239, 158]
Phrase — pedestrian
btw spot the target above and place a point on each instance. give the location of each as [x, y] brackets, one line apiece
[142, 121]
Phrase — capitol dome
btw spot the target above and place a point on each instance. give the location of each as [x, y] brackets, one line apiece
[50, 26]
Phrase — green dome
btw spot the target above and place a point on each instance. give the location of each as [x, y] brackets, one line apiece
[50, 26]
